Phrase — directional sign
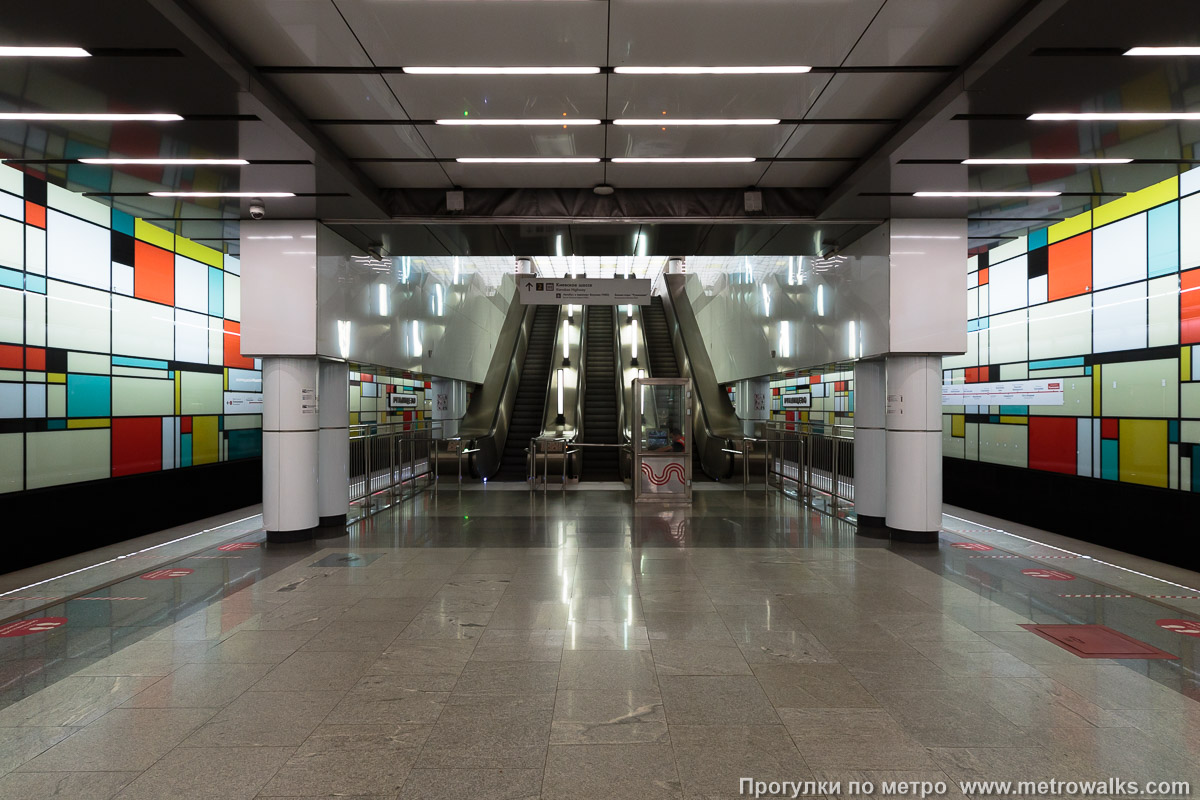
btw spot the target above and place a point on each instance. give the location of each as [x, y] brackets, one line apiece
[537, 291]
[1008, 393]
[24, 627]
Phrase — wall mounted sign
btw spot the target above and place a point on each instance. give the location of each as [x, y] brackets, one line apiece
[536, 291]
[796, 400]
[308, 401]
[1005, 393]
[402, 400]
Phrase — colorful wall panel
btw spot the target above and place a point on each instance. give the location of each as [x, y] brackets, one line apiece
[1108, 302]
[118, 344]
[369, 398]
[832, 398]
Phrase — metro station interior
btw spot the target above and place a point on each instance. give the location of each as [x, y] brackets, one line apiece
[681, 399]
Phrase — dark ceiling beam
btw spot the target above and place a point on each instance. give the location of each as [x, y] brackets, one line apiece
[280, 112]
[938, 106]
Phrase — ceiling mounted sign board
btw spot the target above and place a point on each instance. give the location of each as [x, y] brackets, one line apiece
[536, 291]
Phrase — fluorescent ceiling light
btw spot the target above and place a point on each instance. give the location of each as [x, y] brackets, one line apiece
[222, 194]
[724, 160]
[43, 52]
[167, 161]
[501, 70]
[1116, 116]
[1163, 51]
[589, 160]
[481, 121]
[664, 121]
[983, 161]
[794, 70]
[986, 194]
[38, 116]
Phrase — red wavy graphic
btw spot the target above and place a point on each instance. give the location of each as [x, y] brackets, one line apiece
[669, 471]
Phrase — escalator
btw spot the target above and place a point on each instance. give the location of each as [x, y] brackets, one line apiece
[663, 364]
[600, 422]
[529, 407]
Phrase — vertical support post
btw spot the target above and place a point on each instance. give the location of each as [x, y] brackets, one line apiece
[333, 445]
[870, 448]
[914, 448]
[290, 441]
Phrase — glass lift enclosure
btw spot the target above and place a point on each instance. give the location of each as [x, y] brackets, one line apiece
[662, 439]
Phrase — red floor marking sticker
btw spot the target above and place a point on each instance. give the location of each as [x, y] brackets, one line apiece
[238, 546]
[1185, 626]
[1097, 641]
[1174, 596]
[972, 546]
[1048, 574]
[1097, 595]
[163, 574]
[24, 627]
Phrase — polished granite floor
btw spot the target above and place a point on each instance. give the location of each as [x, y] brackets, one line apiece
[508, 645]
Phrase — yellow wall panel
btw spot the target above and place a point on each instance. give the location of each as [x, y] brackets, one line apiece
[153, 234]
[1185, 363]
[1070, 227]
[1136, 202]
[1143, 451]
[958, 425]
[1096, 391]
[87, 423]
[198, 252]
[1007, 420]
[205, 440]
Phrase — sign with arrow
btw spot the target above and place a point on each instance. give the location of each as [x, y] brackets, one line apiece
[538, 291]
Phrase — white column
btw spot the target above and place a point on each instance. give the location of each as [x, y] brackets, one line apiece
[870, 448]
[751, 402]
[290, 511]
[525, 266]
[333, 417]
[676, 265]
[449, 405]
[914, 447]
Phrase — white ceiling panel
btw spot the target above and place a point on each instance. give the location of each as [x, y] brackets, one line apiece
[745, 32]
[833, 141]
[502, 96]
[698, 142]
[407, 176]
[526, 175]
[448, 141]
[480, 32]
[874, 95]
[726, 96]
[286, 32]
[684, 176]
[804, 174]
[341, 96]
[929, 32]
[378, 141]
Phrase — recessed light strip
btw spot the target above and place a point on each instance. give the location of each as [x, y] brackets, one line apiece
[729, 160]
[1115, 116]
[986, 194]
[780, 70]
[501, 70]
[581, 160]
[990, 161]
[223, 194]
[501, 122]
[9, 51]
[38, 116]
[163, 162]
[1162, 51]
[665, 121]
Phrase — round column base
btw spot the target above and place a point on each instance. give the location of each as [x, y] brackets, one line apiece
[289, 537]
[330, 521]
[872, 527]
[914, 537]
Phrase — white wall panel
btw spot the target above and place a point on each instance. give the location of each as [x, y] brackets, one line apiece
[926, 284]
[1062, 328]
[1008, 338]
[191, 337]
[1119, 318]
[78, 251]
[78, 318]
[1119, 252]
[35, 250]
[191, 285]
[143, 329]
[1009, 282]
[1163, 303]
[1039, 289]
[12, 316]
[12, 244]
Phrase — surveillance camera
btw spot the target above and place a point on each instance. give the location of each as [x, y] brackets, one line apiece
[257, 209]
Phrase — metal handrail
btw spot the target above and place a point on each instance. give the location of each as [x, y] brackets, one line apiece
[823, 462]
[387, 460]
